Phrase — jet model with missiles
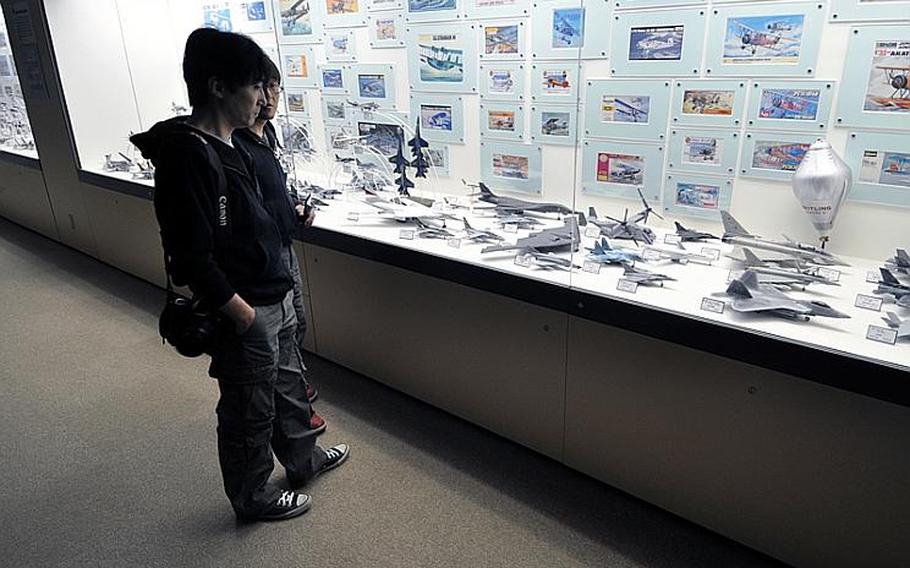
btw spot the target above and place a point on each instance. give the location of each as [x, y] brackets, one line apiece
[769, 274]
[750, 296]
[736, 235]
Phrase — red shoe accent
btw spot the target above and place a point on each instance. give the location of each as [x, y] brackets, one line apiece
[311, 393]
[317, 423]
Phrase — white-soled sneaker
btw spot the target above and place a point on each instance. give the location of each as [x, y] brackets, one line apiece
[288, 505]
[335, 456]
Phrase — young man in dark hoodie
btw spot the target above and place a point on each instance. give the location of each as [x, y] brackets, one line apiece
[261, 142]
[220, 240]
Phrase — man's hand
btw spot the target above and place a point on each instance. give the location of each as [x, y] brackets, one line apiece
[241, 313]
[306, 215]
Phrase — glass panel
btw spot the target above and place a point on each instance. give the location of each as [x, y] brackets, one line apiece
[15, 128]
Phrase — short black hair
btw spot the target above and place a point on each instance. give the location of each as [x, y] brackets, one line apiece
[233, 58]
[270, 69]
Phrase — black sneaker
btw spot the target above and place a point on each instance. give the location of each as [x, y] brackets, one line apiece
[289, 505]
[335, 456]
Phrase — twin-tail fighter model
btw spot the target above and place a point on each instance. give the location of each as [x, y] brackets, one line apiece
[565, 237]
[426, 231]
[480, 235]
[631, 229]
[891, 287]
[894, 322]
[513, 205]
[691, 236]
[778, 276]
[604, 253]
[900, 262]
[749, 296]
[645, 277]
[736, 235]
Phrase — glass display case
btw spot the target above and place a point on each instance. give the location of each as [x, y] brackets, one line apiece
[589, 145]
[15, 128]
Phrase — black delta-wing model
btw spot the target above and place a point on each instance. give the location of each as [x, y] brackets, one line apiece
[511, 205]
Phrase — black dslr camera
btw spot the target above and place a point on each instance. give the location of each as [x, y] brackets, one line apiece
[189, 328]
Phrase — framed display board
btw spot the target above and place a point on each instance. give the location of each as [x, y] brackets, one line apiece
[373, 83]
[511, 165]
[386, 30]
[443, 57]
[693, 195]
[555, 83]
[336, 110]
[298, 66]
[773, 155]
[253, 17]
[502, 39]
[482, 9]
[752, 40]
[432, 10]
[870, 11]
[712, 152]
[299, 22]
[438, 156]
[334, 79]
[619, 168]
[297, 102]
[705, 102]
[502, 120]
[344, 13]
[502, 81]
[875, 90]
[570, 29]
[790, 105]
[627, 108]
[554, 124]
[667, 43]
[881, 167]
[340, 45]
[441, 117]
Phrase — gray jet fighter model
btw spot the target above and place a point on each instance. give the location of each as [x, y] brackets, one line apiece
[426, 231]
[513, 205]
[645, 277]
[899, 262]
[479, 235]
[565, 237]
[889, 285]
[751, 297]
[679, 255]
[782, 276]
[690, 236]
[894, 322]
[735, 234]
[548, 260]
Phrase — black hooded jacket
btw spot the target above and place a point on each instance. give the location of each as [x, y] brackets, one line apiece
[217, 249]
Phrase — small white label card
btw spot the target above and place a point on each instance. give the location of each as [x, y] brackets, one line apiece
[881, 334]
[873, 277]
[592, 231]
[523, 260]
[591, 267]
[624, 285]
[713, 305]
[454, 242]
[353, 216]
[406, 234]
[828, 273]
[711, 252]
[510, 228]
[672, 239]
[872, 303]
[650, 254]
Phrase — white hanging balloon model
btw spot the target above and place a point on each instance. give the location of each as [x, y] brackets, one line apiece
[821, 183]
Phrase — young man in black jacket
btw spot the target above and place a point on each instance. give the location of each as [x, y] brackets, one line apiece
[261, 142]
[220, 240]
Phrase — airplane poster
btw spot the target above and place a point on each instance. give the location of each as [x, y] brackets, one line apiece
[511, 166]
[789, 104]
[554, 124]
[371, 86]
[501, 120]
[708, 102]
[332, 79]
[438, 156]
[218, 16]
[764, 40]
[338, 7]
[381, 137]
[441, 58]
[502, 82]
[297, 102]
[296, 18]
[416, 6]
[660, 43]
[386, 29]
[702, 150]
[620, 168]
[436, 117]
[501, 40]
[888, 168]
[556, 82]
[697, 195]
[888, 88]
[568, 27]
[335, 110]
[297, 66]
[625, 108]
[778, 156]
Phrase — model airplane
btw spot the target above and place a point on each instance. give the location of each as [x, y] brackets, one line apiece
[782, 276]
[645, 277]
[690, 236]
[402, 209]
[749, 296]
[426, 231]
[606, 254]
[366, 107]
[112, 164]
[565, 237]
[514, 205]
[399, 159]
[679, 255]
[890, 286]
[899, 262]
[146, 170]
[517, 221]
[548, 260]
[894, 322]
[479, 235]
[418, 145]
[735, 234]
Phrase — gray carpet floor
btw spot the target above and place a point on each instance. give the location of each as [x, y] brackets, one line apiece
[107, 445]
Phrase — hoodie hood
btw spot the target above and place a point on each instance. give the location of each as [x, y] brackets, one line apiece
[151, 142]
